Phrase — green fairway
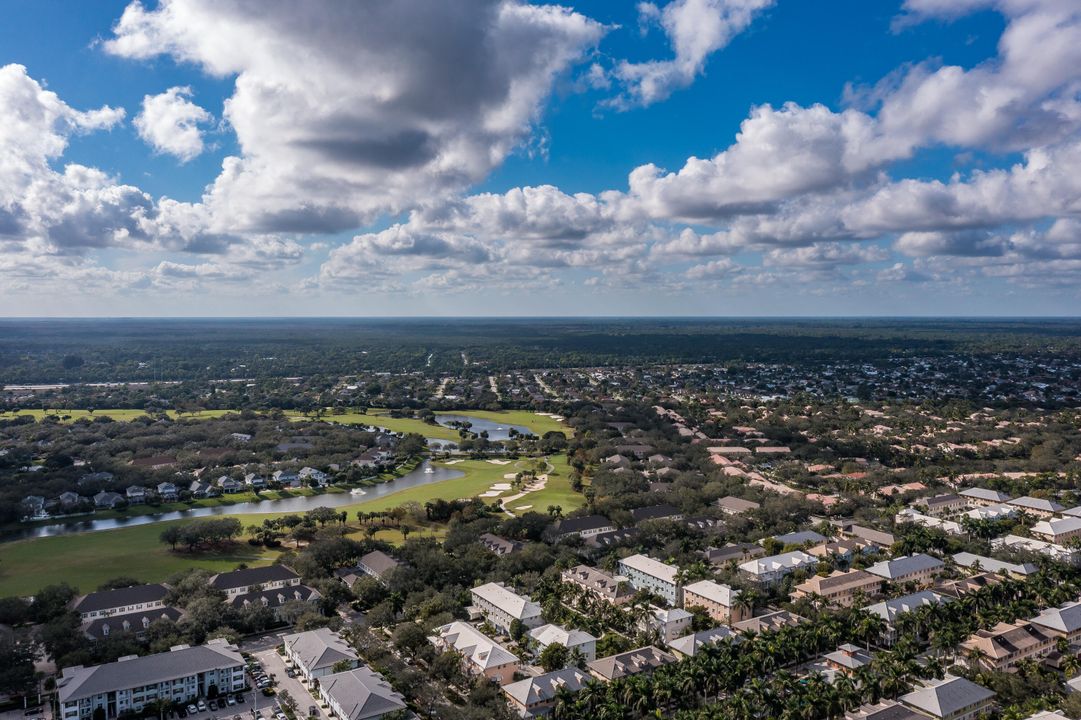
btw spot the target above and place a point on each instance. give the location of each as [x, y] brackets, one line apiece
[379, 418]
[88, 559]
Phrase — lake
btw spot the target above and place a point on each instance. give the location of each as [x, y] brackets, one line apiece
[496, 430]
[299, 504]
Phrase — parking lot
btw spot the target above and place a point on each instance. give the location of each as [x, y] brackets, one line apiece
[275, 666]
[241, 710]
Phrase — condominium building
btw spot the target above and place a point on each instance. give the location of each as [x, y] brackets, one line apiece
[126, 686]
[919, 569]
[775, 567]
[839, 587]
[481, 655]
[501, 606]
[535, 696]
[359, 694]
[1062, 621]
[577, 641]
[1060, 530]
[952, 698]
[1006, 644]
[600, 584]
[720, 601]
[318, 652]
[645, 573]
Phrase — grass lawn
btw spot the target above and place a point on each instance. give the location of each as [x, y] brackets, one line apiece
[557, 491]
[380, 419]
[89, 559]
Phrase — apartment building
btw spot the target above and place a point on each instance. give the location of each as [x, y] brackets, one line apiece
[839, 587]
[360, 694]
[1058, 530]
[315, 653]
[1006, 644]
[501, 606]
[720, 601]
[981, 497]
[771, 569]
[919, 569]
[536, 696]
[951, 698]
[481, 655]
[128, 685]
[599, 583]
[577, 641]
[1062, 621]
[645, 573]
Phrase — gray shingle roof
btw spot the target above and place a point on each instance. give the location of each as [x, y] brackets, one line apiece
[252, 576]
[107, 599]
[361, 693]
[943, 698]
[82, 682]
[543, 688]
[317, 649]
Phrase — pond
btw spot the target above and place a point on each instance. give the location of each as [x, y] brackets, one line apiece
[299, 504]
[496, 430]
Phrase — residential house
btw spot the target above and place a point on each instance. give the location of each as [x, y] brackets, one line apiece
[1062, 621]
[168, 492]
[136, 494]
[273, 586]
[720, 601]
[952, 698]
[656, 512]
[991, 512]
[1006, 644]
[847, 659]
[69, 499]
[312, 476]
[645, 573]
[734, 553]
[918, 568]
[1058, 531]
[839, 588]
[536, 696]
[360, 694]
[633, 662]
[768, 570]
[255, 481]
[730, 505]
[599, 583]
[1037, 507]
[942, 505]
[377, 564]
[229, 485]
[978, 563]
[107, 499]
[501, 606]
[125, 687]
[689, 645]
[582, 526]
[480, 654]
[668, 623]
[890, 610]
[498, 545]
[1059, 553]
[121, 601]
[803, 537]
[769, 622]
[885, 710]
[579, 642]
[201, 489]
[317, 653]
[980, 497]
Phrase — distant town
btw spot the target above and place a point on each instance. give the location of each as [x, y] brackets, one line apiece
[887, 538]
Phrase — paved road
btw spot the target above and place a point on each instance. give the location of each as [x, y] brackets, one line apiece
[275, 665]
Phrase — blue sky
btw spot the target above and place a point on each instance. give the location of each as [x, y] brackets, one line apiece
[716, 157]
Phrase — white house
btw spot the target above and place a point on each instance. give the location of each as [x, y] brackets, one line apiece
[501, 606]
[573, 640]
[645, 573]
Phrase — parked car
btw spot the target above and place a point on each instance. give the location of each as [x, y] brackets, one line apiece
[231, 700]
[202, 705]
[240, 698]
[280, 716]
[290, 673]
[192, 709]
[213, 705]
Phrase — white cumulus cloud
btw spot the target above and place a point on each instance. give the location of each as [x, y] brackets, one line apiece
[170, 123]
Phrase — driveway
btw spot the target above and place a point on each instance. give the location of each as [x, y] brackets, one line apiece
[275, 665]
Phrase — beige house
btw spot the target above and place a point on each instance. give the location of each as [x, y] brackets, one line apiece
[839, 587]
[599, 584]
[720, 601]
[480, 654]
[1004, 645]
[1060, 530]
